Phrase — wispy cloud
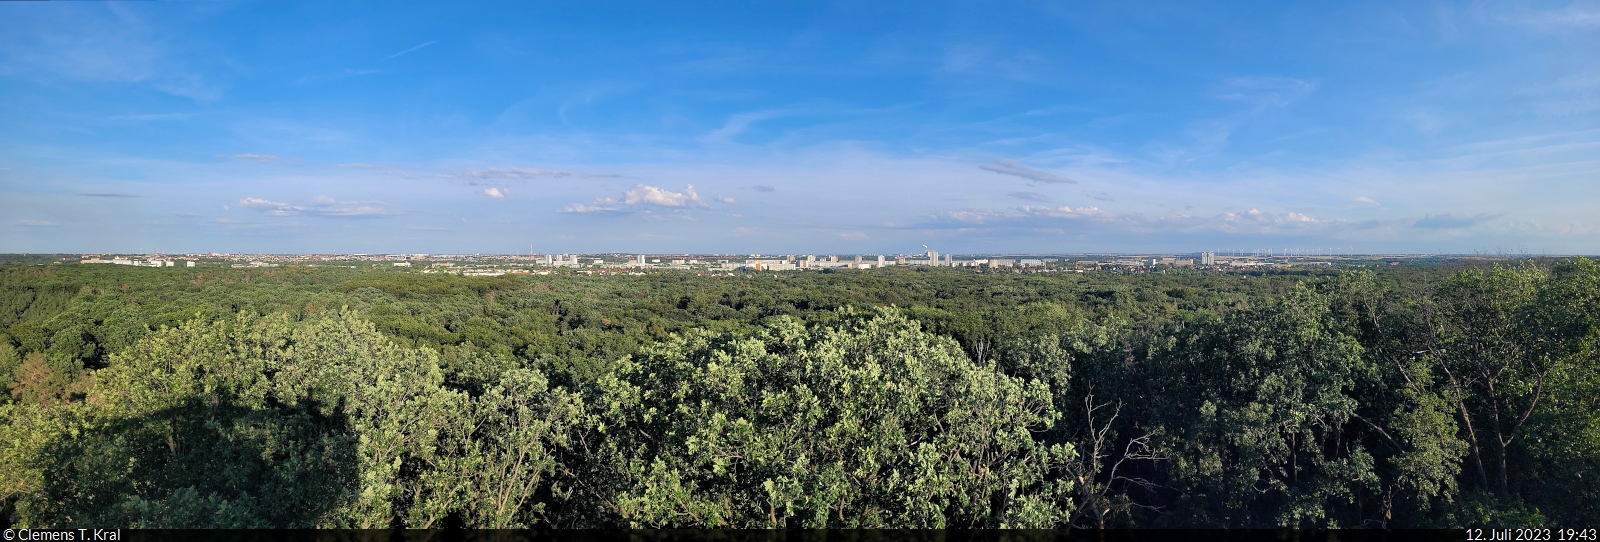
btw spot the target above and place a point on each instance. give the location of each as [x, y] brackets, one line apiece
[37, 223]
[258, 225]
[411, 50]
[357, 166]
[1576, 15]
[762, 188]
[504, 173]
[262, 158]
[1263, 91]
[341, 74]
[107, 195]
[1065, 212]
[1449, 221]
[736, 125]
[1367, 201]
[152, 116]
[1428, 123]
[1013, 167]
[109, 46]
[1090, 218]
[600, 206]
[1030, 196]
[322, 206]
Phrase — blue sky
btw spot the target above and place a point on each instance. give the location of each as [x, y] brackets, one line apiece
[849, 127]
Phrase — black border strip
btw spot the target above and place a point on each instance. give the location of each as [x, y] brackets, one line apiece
[828, 535]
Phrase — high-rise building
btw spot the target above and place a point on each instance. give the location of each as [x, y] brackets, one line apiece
[880, 260]
[933, 257]
[641, 260]
[1208, 258]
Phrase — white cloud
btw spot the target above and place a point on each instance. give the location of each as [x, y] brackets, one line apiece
[1367, 201]
[262, 204]
[727, 200]
[1254, 216]
[581, 208]
[1013, 167]
[644, 194]
[1065, 212]
[652, 195]
[37, 223]
[494, 193]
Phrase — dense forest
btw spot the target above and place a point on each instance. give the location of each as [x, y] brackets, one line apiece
[1419, 396]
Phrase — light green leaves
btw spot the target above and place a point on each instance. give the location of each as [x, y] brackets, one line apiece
[869, 423]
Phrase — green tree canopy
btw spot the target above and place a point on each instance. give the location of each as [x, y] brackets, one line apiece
[867, 423]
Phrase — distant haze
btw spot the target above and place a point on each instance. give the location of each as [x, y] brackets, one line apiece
[853, 127]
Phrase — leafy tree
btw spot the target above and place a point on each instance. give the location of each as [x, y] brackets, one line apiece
[1254, 411]
[274, 422]
[9, 362]
[1560, 444]
[868, 423]
[494, 465]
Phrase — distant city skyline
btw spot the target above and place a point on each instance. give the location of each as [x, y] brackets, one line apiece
[851, 128]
